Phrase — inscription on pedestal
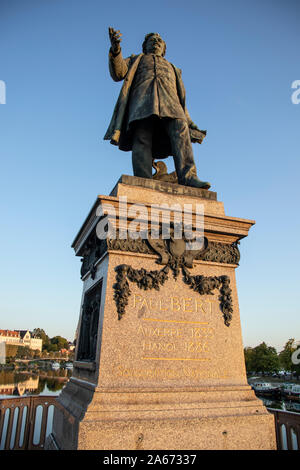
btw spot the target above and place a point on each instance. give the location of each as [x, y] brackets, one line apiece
[179, 337]
[170, 337]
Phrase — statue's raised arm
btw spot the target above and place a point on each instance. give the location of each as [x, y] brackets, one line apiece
[118, 67]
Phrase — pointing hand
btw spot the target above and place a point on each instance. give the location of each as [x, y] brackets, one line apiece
[115, 39]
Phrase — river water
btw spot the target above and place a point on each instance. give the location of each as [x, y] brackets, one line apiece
[26, 383]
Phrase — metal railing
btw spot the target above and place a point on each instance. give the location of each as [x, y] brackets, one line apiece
[25, 422]
[287, 426]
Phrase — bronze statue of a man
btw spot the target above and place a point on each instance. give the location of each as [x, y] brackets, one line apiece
[150, 117]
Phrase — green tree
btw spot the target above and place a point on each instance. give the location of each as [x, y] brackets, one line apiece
[59, 342]
[52, 348]
[264, 359]
[24, 352]
[285, 356]
[37, 353]
[21, 352]
[248, 353]
[40, 333]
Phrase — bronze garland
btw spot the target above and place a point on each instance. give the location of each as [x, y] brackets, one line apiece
[155, 279]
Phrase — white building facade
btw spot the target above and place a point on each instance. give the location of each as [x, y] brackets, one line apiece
[21, 338]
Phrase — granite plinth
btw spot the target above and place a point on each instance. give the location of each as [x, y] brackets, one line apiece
[169, 372]
[164, 187]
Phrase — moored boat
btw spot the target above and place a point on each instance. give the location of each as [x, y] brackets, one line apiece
[265, 389]
[286, 389]
[295, 393]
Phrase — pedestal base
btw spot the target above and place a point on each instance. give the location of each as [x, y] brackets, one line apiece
[159, 356]
[216, 418]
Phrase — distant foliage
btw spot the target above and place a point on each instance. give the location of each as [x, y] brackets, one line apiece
[285, 357]
[11, 350]
[262, 358]
[54, 344]
[265, 358]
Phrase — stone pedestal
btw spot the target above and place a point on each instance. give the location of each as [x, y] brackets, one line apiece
[159, 355]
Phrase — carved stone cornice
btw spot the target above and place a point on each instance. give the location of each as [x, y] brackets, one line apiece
[216, 252]
[138, 245]
[94, 248]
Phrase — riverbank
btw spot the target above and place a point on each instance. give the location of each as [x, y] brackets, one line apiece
[274, 380]
[33, 364]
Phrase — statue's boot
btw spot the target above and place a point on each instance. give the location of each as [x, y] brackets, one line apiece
[194, 182]
[181, 145]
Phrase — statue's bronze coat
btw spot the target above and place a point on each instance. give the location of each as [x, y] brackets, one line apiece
[118, 132]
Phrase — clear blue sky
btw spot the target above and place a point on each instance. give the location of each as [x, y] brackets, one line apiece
[239, 59]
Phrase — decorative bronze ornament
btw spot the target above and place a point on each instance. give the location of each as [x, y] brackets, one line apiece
[89, 324]
[175, 252]
[174, 256]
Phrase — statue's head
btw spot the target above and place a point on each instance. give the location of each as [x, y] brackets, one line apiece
[154, 44]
